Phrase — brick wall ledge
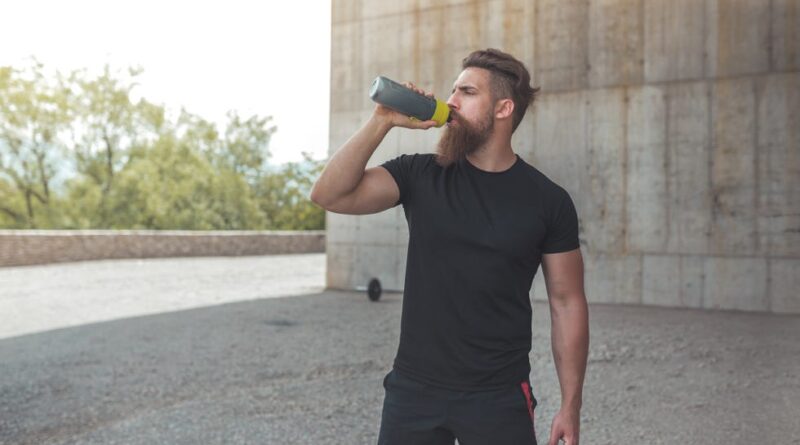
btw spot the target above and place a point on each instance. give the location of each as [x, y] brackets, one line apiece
[28, 247]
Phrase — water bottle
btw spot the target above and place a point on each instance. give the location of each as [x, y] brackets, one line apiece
[404, 100]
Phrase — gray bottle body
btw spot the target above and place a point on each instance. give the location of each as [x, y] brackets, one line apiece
[404, 100]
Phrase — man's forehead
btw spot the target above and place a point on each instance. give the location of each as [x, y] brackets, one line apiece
[465, 85]
[472, 78]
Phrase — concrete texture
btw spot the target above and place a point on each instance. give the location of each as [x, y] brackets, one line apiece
[672, 124]
[26, 247]
[308, 369]
[674, 47]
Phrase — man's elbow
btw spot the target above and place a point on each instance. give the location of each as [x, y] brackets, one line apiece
[567, 300]
[312, 196]
[316, 197]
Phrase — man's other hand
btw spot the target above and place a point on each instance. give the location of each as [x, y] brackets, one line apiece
[566, 426]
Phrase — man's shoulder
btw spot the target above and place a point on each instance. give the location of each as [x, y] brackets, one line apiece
[414, 161]
[416, 156]
[542, 181]
[423, 157]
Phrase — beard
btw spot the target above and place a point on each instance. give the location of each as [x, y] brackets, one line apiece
[465, 138]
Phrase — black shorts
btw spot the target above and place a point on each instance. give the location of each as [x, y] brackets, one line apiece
[415, 413]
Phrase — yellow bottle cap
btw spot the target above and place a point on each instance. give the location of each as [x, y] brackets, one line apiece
[441, 113]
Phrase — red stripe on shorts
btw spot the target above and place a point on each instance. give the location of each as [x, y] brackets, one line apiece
[526, 391]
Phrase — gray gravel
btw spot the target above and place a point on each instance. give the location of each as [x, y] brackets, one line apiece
[308, 369]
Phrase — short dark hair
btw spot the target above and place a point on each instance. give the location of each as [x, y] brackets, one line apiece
[508, 79]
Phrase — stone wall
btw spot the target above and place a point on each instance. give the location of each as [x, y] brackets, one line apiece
[26, 247]
[673, 124]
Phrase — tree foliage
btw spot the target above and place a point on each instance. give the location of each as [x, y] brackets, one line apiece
[78, 151]
[283, 197]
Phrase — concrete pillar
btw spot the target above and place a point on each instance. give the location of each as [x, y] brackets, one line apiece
[673, 124]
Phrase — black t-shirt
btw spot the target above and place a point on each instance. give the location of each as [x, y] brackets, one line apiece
[475, 242]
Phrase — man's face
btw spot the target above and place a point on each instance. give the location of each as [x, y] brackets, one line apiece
[472, 114]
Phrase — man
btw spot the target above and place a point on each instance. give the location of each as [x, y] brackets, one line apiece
[481, 221]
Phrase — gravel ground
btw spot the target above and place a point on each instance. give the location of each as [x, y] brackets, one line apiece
[308, 369]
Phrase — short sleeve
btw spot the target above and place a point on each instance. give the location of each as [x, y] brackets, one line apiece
[562, 230]
[401, 170]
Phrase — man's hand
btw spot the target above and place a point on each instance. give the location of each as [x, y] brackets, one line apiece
[566, 426]
[393, 118]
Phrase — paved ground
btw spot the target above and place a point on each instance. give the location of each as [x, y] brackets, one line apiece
[308, 369]
[39, 298]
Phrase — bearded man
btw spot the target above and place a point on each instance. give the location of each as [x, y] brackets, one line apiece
[481, 221]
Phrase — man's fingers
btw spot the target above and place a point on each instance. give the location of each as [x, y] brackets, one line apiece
[554, 436]
[560, 437]
[411, 85]
[422, 124]
[418, 90]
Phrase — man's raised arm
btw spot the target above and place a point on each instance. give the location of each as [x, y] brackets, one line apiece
[344, 186]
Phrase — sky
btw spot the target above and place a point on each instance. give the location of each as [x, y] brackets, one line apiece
[270, 58]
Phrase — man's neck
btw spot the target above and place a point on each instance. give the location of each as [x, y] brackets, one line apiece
[493, 157]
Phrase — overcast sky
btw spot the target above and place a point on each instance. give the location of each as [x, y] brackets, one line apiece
[256, 57]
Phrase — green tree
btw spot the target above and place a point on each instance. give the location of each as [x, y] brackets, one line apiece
[10, 204]
[32, 115]
[106, 126]
[245, 146]
[171, 186]
[77, 151]
[283, 196]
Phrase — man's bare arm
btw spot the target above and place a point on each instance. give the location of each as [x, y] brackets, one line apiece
[340, 179]
[345, 168]
[569, 315]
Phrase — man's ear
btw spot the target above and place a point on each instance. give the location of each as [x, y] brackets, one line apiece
[503, 108]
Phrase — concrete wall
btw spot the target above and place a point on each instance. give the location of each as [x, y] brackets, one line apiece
[674, 125]
[26, 247]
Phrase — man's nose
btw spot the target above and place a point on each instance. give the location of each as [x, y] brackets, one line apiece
[451, 102]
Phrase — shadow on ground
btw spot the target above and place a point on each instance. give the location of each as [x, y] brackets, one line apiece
[308, 369]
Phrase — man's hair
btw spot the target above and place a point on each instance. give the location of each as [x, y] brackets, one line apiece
[508, 79]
